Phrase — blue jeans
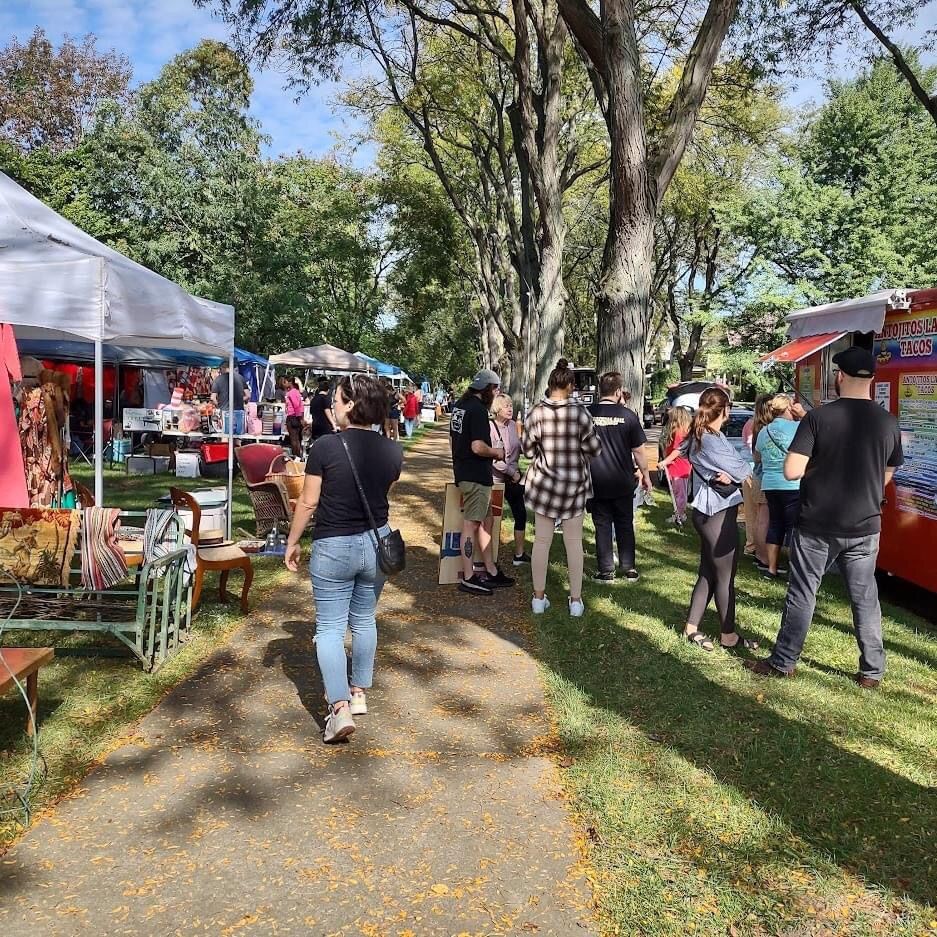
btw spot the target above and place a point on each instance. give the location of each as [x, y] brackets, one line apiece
[408, 426]
[346, 583]
[811, 556]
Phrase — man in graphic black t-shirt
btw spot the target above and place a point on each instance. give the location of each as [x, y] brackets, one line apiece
[613, 478]
[472, 455]
[845, 453]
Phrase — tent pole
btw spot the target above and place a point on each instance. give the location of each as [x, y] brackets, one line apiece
[230, 443]
[98, 423]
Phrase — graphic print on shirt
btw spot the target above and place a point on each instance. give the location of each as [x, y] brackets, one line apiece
[455, 424]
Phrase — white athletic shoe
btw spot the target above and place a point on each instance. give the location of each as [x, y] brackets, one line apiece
[576, 608]
[359, 704]
[338, 725]
[539, 606]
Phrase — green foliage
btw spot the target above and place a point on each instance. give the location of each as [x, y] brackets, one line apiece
[851, 208]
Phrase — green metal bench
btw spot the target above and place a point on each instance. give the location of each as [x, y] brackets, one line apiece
[150, 615]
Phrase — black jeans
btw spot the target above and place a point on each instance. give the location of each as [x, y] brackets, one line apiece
[719, 557]
[294, 426]
[608, 515]
[514, 495]
[783, 510]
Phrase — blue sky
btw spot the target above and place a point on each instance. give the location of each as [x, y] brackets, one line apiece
[150, 33]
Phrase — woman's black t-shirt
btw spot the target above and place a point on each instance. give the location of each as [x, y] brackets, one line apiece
[340, 512]
[317, 410]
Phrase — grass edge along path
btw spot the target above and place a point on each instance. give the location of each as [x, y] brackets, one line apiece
[88, 706]
[715, 803]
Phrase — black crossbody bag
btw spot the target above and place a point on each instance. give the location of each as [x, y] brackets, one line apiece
[390, 548]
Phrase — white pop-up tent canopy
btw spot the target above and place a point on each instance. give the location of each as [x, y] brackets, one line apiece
[58, 282]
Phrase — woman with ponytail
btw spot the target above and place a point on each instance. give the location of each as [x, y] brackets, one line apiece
[560, 439]
[717, 475]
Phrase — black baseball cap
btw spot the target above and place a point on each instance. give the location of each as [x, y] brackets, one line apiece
[856, 362]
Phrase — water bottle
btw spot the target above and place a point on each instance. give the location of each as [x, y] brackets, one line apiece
[281, 544]
[271, 544]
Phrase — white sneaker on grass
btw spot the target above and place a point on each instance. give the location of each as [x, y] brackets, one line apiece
[576, 608]
[359, 704]
[539, 606]
[338, 725]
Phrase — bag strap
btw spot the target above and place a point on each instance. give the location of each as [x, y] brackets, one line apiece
[361, 494]
[784, 449]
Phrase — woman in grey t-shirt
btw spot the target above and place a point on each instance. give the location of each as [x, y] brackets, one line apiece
[718, 472]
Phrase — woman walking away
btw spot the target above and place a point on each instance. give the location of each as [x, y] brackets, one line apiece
[346, 579]
[507, 471]
[411, 409]
[560, 439]
[717, 472]
[783, 496]
[678, 471]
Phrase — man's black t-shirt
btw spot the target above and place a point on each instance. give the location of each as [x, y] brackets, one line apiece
[850, 442]
[620, 432]
[470, 422]
[340, 512]
[320, 422]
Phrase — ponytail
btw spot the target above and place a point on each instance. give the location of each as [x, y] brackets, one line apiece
[561, 376]
[712, 403]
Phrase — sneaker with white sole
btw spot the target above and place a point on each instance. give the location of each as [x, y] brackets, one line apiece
[539, 606]
[338, 725]
[576, 608]
[358, 705]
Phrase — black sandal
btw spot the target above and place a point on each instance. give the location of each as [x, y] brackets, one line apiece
[700, 640]
[745, 644]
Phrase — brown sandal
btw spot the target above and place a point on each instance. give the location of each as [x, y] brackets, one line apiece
[700, 640]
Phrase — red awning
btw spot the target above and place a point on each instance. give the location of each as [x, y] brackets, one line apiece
[800, 348]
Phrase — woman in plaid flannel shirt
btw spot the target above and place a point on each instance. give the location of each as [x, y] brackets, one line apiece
[560, 439]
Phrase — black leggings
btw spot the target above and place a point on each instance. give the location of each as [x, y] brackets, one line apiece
[514, 495]
[294, 426]
[719, 556]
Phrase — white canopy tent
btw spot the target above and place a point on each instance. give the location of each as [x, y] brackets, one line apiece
[58, 282]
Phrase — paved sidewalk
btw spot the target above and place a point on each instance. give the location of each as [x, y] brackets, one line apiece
[224, 814]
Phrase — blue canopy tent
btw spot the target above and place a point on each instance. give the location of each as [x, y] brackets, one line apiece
[384, 369]
[256, 373]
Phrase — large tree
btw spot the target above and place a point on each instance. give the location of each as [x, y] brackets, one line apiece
[649, 128]
[49, 97]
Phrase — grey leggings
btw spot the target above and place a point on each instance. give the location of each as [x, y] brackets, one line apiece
[719, 556]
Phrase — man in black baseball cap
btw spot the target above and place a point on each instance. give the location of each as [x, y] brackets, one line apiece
[844, 453]
[856, 362]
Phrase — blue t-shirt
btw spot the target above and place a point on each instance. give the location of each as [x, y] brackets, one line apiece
[773, 442]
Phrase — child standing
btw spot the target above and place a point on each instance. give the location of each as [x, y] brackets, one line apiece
[678, 472]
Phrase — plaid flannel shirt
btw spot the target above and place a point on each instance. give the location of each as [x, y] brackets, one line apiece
[560, 439]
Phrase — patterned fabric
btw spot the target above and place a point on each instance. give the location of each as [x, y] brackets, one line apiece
[161, 537]
[103, 563]
[38, 458]
[36, 545]
[560, 438]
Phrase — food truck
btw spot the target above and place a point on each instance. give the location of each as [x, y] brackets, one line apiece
[900, 327]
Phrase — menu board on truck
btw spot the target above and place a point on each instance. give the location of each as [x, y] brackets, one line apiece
[916, 480]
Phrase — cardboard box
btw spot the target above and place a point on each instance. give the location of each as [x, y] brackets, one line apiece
[450, 548]
[187, 465]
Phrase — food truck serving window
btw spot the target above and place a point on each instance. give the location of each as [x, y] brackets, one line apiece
[828, 380]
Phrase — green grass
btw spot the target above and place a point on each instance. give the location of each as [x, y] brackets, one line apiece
[720, 803]
[87, 704]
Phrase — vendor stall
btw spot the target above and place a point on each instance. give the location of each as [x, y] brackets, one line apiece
[57, 282]
[900, 327]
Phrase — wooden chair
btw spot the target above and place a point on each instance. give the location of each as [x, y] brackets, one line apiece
[24, 663]
[222, 558]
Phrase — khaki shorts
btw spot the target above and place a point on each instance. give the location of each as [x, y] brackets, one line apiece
[476, 500]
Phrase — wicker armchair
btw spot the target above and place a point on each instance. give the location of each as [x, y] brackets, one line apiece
[269, 497]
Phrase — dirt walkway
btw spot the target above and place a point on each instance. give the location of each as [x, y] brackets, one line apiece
[225, 814]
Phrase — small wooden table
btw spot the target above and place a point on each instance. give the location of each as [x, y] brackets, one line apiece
[24, 662]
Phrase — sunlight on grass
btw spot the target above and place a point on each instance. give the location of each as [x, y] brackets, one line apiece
[719, 803]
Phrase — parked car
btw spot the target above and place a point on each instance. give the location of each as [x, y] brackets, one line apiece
[685, 394]
[648, 418]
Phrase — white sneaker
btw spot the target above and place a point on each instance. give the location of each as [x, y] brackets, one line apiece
[338, 725]
[359, 704]
[576, 608]
[539, 606]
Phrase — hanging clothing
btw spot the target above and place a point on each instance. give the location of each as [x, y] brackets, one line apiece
[36, 446]
[103, 563]
[13, 493]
